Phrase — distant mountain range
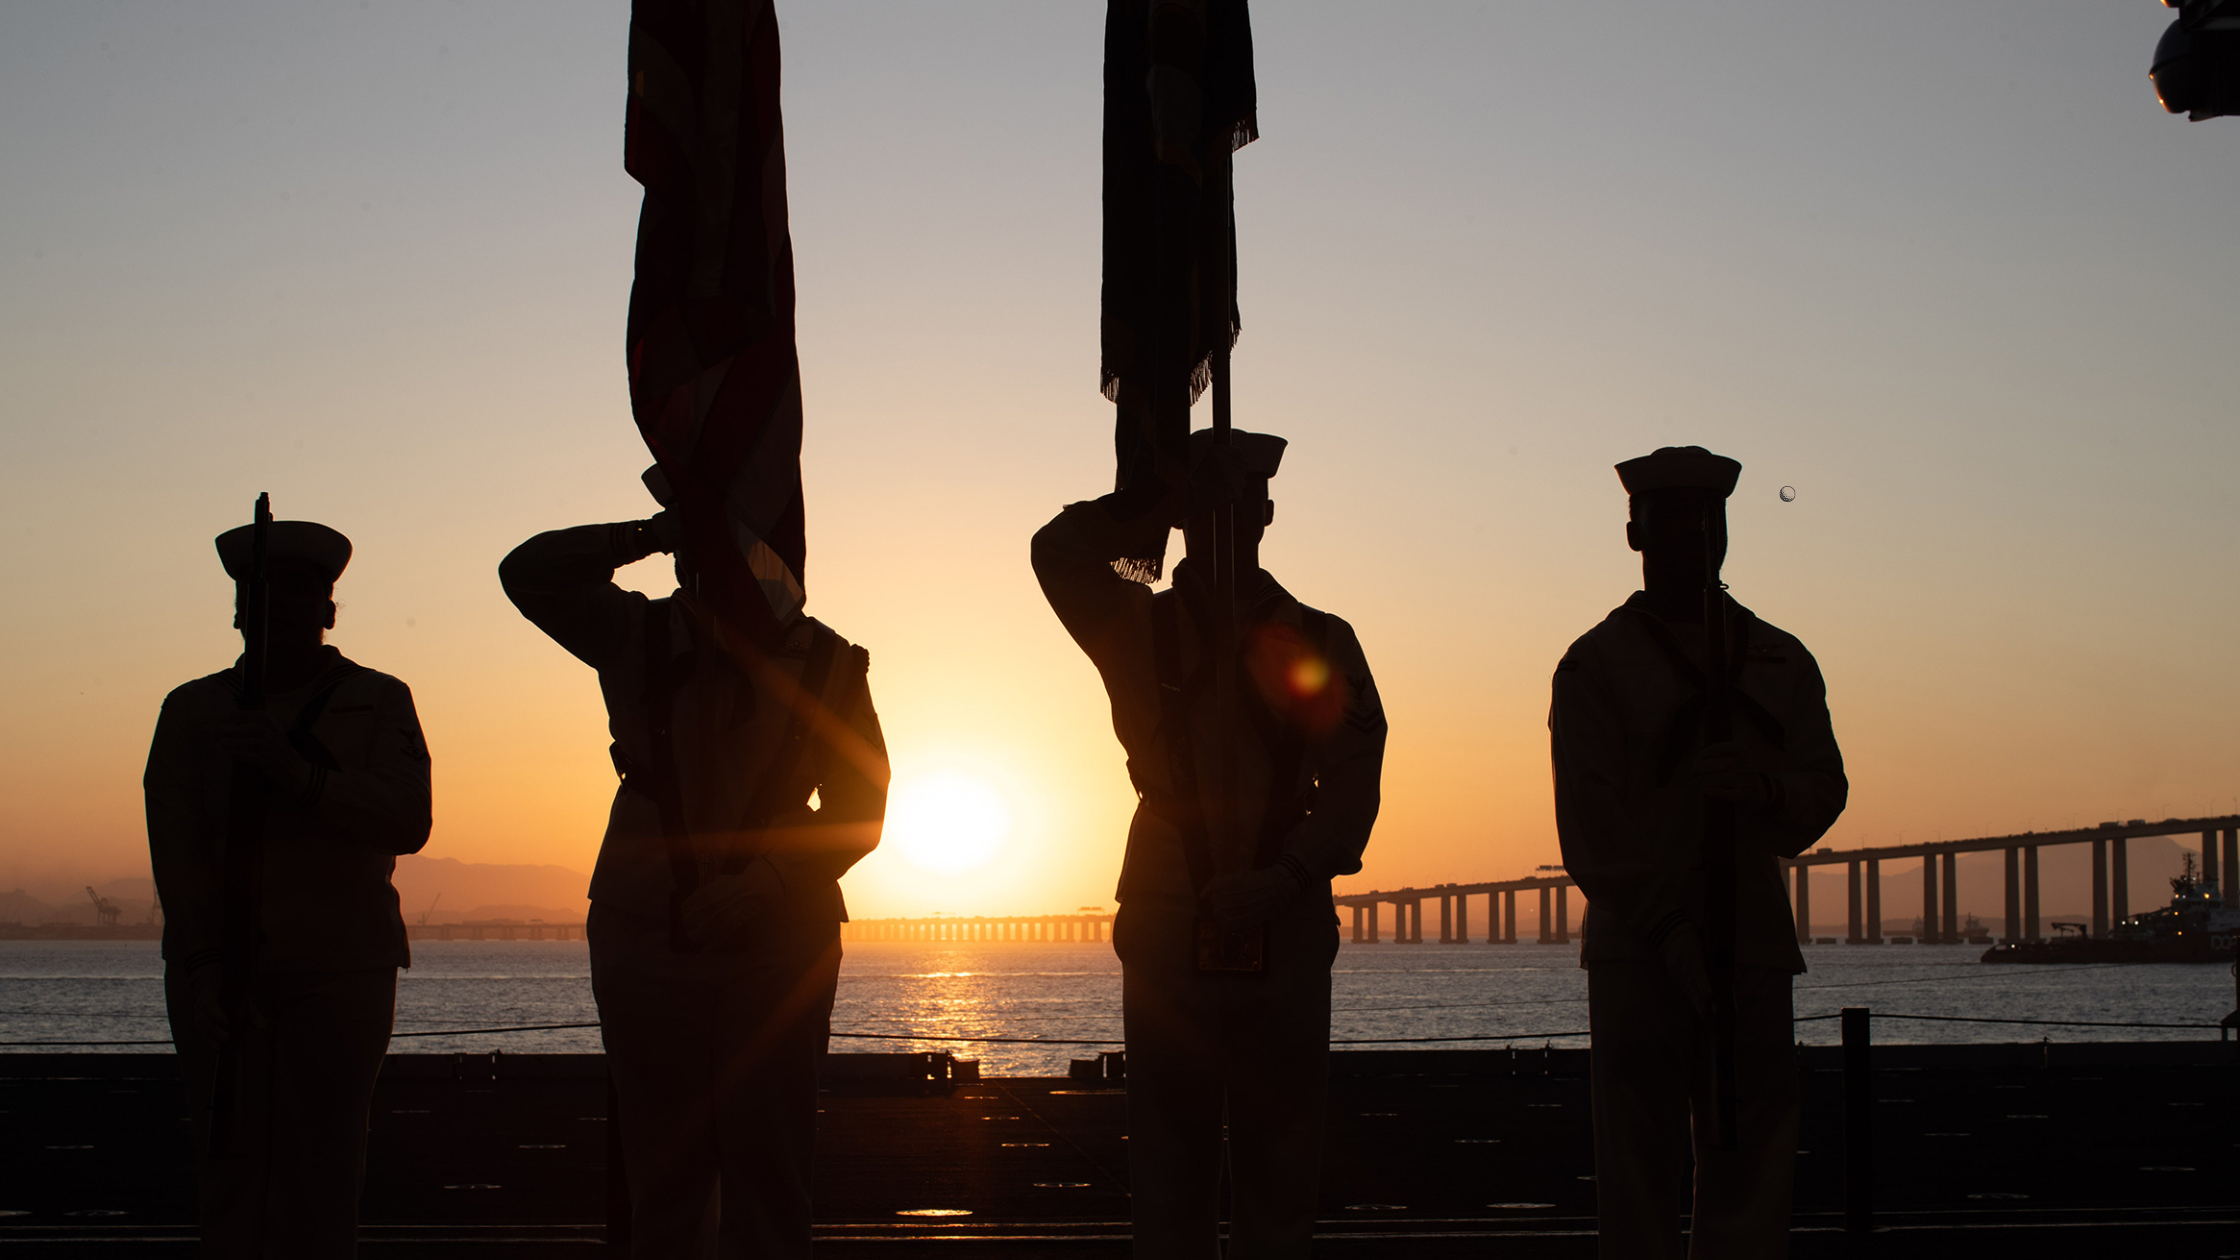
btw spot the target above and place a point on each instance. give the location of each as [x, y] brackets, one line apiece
[447, 890]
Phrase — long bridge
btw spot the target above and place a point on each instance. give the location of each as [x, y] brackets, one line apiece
[1940, 886]
[1036, 928]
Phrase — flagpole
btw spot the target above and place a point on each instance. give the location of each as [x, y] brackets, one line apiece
[1220, 183]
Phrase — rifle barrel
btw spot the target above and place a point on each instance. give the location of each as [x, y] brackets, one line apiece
[1719, 846]
[241, 873]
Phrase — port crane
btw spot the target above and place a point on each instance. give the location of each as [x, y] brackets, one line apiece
[105, 911]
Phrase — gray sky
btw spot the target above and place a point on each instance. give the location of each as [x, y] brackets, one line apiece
[1948, 270]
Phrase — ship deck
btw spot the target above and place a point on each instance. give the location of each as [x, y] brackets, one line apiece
[2061, 1150]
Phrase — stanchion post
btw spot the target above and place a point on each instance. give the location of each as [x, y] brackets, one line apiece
[1858, 1123]
[618, 1176]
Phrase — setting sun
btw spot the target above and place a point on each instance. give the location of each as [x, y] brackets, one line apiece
[947, 822]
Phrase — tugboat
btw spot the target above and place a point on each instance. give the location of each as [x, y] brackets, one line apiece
[2196, 927]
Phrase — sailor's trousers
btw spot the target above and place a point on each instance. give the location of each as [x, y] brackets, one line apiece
[289, 1187]
[714, 1057]
[1652, 1076]
[1204, 1047]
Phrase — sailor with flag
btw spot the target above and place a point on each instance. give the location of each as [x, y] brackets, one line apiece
[753, 771]
[1253, 730]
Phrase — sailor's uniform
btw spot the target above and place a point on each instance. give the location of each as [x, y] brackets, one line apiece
[1625, 733]
[332, 939]
[1303, 785]
[713, 1044]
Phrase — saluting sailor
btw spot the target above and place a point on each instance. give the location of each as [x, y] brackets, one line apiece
[1631, 775]
[715, 904]
[346, 771]
[1225, 932]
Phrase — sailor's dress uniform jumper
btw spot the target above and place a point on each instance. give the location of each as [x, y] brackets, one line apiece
[1305, 792]
[1625, 730]
[331, 940]
[713, 1045]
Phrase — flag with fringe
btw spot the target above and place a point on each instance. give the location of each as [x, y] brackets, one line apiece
[715, 382]
[1179, 100]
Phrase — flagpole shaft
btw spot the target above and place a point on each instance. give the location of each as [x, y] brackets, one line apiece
[1225, 624]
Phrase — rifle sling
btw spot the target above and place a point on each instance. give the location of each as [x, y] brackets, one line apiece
[1687, 721]
[242, 872]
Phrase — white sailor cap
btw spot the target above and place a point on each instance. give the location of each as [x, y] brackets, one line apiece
[1680, 468]
[323, 548]
[1262, 452]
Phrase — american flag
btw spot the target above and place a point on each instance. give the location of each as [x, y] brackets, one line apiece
[715, 383]
[1179, 99]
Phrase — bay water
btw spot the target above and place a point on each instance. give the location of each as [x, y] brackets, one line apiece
[112, 991]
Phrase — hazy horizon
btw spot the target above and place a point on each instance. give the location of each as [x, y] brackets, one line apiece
[1935, 268]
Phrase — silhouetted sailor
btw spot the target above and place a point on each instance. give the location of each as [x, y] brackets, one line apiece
[1226, 929]
[1632, 774]
[345, 790]
[715, 905]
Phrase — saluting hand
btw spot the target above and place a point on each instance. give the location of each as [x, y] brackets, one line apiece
[251, 736]
[1724, 775]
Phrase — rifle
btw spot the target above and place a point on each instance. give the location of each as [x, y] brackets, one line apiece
[241, 875]
[1718, 844]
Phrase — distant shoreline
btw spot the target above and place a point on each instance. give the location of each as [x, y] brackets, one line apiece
[80, 932]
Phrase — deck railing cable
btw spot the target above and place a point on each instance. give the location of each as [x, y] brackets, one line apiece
[1335, 1041]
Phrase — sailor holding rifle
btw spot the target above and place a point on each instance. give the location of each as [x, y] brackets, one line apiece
[274, 829]
[1682, 962]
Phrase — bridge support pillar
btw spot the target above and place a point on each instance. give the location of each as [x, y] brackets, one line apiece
[2119, 880]
[1804, 903]
[1951, 933]
[1874, 901]
[1373, 937]
[1446, 919]
[1547, 920]
[1357, 925]
[1461, 919]
[2099, 888]
[1563, 915]
[1509, 917]
[1856, 933]
[1415, 921]
[2232, 868]
[2209, 878]
[2014, 895]
[1928, 899]
[2030, 893]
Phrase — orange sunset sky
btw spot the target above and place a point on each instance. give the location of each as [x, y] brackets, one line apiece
[1949, 271]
